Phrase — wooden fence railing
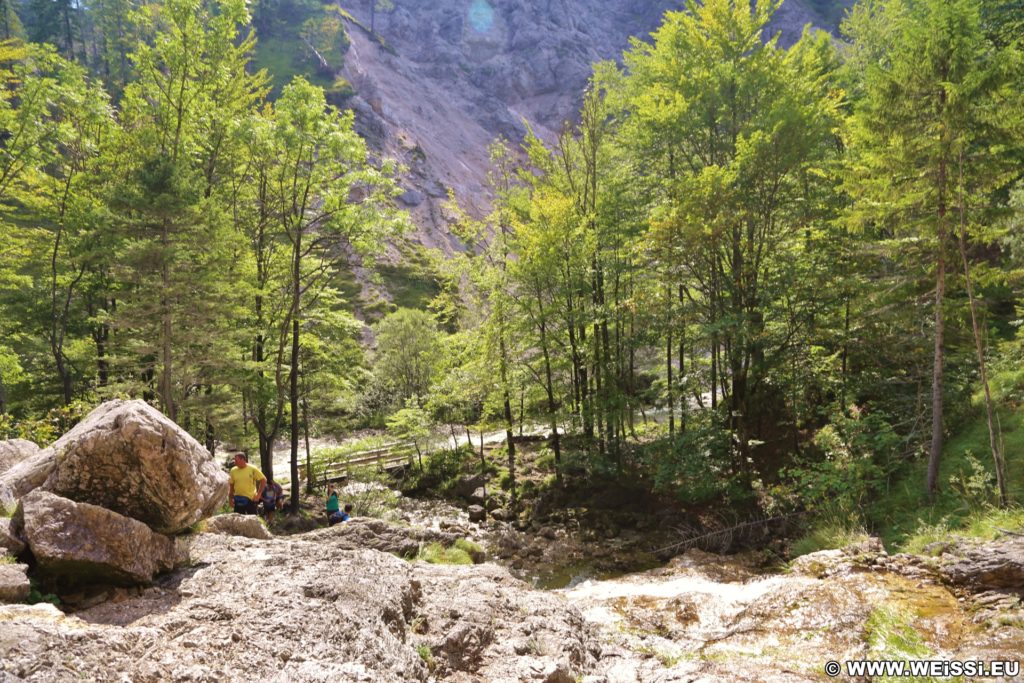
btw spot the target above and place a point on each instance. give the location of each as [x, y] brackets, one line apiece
[388, 457]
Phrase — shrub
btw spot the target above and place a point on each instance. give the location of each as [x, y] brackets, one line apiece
[855, 455]
[545, 459]
[695, 466]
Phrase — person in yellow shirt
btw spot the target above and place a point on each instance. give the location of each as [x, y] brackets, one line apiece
[245, 486]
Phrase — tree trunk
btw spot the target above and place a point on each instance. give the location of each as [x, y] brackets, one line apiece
[293, 376]
[940, 290]
[549, 386]
[309, 457]
[979, 347]
[166, 383]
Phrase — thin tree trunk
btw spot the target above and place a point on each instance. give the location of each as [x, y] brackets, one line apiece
[940, 290]
[293, 377]
[309, 457]
[979, 347]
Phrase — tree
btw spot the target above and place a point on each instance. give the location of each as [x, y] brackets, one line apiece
[730, 132]
[412, 423]
[320, 167]
[172, 150]
[408, 347]
[934, 97]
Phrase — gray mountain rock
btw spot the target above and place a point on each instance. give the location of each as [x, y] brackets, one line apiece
[9, 543]
[128, 457]
[78, 543]
[458, 74]
[998, 565]
[305, 609]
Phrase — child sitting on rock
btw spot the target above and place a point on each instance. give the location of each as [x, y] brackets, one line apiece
[340, 516]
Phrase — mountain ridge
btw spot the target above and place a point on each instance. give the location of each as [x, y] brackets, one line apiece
[444, 80]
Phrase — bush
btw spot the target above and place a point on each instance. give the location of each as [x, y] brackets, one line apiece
[696, 465]
[856, 456]
[45, 430]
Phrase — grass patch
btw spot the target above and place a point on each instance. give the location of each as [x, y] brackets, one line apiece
[8, 559]
[283, 56]
[435, 553]
[983, 525]
[966, 479]
[828, 535]
[427, 655]
[890, 636]
[469, 547]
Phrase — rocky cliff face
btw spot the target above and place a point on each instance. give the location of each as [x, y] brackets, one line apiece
[456, 74]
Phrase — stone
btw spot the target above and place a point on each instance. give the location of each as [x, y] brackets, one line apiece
[479, 496]
[412, 197]
[14, 451]
[27, 475]
[14, 584]
[477, 513]
[129, 458]
[465, 487]
[81, 544]
[9, 543]
[233, 524]
[997, 565]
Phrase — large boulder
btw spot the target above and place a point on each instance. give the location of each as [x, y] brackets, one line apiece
[15, 451]
[987, 566]
[128, 457]
[80, 544]
[14, 584]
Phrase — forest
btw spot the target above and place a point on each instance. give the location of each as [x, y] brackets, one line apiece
[747, 276]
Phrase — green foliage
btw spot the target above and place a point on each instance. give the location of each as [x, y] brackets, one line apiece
[903, 512]
[426, 655]
[35, 596]
[411, 423]
[299, 38]
[408, 346]
[986, 524]
[445, 467]
[45, 430]
[857, 454]
[435, 553]
[695, 466]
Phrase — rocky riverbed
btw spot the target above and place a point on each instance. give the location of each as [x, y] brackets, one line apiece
[160, 592]
[324, 606]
